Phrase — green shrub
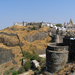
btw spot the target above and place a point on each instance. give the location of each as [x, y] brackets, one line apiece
[7, 72]
[20, 60]
[27, 65]
[23, 29]
[7, 28]
[12, 68]
[6, 66]
[34, 28]
[14, 73]
[12, 28]
[36, 57]
[33, 51]
[27, 55]
[51, 27]
[17, 55]
[27, 30]
[21, 70]
[32, 56]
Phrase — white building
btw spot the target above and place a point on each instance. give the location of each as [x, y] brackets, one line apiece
[63, 29]
[55, 27]
[47, 24]
[21, 24]
[51, 24]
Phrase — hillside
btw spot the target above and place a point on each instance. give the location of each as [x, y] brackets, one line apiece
[31, 40]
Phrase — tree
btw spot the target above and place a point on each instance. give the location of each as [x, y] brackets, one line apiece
[27, 65]
[59, 25]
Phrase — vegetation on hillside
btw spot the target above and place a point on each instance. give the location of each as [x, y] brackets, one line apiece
[32, 56]
[29, 48]
[34, 28]
[59, 25]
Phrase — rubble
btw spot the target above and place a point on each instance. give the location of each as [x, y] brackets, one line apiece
[35, 63]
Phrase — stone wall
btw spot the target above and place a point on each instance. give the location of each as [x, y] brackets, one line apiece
[71, 43]
[57, 38]
[36, 24]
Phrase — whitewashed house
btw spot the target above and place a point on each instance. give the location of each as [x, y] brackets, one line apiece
[44, 24]
[55, 27]
[51, 24]
[47, 24]
[63, 29]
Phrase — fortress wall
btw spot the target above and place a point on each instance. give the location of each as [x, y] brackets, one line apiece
[56, 57]
[71, 43]
[57, 38]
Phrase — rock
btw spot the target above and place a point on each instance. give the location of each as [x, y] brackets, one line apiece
[37, 36]
[42, 55]
[67, 73]
[30, 28]
[5, 55]
[15, 68]
[9, 39]
[35, 63]
[41, 51]
[14, 62]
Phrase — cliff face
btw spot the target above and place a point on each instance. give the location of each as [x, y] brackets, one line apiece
[9, 57]
[6, 55]
[36, 36]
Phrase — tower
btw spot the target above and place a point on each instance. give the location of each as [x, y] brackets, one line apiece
[23, 23]
[71, 21]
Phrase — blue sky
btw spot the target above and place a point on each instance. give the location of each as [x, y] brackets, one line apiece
[55, 11]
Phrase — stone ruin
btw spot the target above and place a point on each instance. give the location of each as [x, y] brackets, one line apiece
[56, 57]
[57, 54]
[58, 36]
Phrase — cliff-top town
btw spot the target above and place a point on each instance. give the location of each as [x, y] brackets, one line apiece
[66, 26]
[38, 49]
